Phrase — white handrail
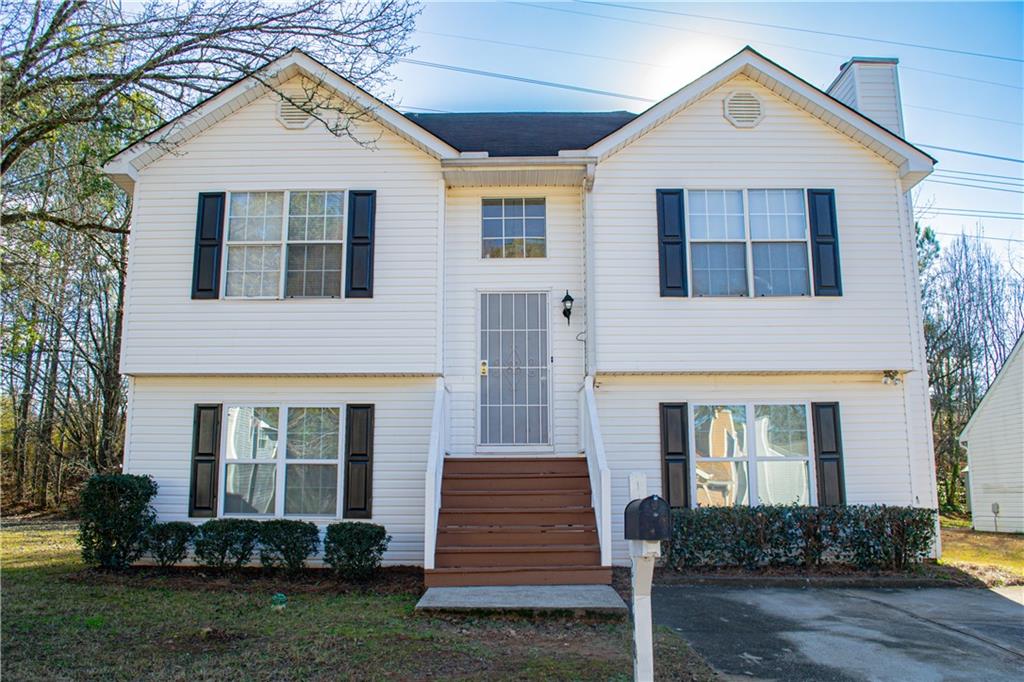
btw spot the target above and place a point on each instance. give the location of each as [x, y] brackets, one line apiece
[435, 471]
[592, 444]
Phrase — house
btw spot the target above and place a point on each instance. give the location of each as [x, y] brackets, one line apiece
[994, 438]
[472, 329]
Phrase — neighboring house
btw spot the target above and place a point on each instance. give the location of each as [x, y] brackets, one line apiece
[379, 331]
[994, 438]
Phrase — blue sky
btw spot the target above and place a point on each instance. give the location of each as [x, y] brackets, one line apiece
[651, 61]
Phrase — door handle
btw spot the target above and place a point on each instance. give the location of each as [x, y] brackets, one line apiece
[483, 368]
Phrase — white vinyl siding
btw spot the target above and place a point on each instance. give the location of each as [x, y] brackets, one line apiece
[396, 331]
[995, 452]
[876, 450]
[467, 276]
[637, 330]
[159, 441]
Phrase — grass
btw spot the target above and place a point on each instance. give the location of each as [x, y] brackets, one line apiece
[61, 621]
[999, 550]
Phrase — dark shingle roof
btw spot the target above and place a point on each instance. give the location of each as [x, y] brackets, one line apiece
[522, 134]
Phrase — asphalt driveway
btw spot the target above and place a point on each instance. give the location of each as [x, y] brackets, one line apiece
[822, 634]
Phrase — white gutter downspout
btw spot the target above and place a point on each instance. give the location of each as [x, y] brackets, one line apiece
[589, 310]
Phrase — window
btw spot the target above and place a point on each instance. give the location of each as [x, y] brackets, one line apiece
[307, 238]
[745, 452]
[777, 264]
[514, 228]
[304, 482]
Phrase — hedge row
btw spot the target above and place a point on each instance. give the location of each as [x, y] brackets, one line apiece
[867, 537]
[117, 526]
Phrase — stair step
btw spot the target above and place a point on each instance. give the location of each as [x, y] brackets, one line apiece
[516, 481]
[508, 465]
[509, 499]
[488, 536]
[518, 557]
[548, 575]
[501, 517]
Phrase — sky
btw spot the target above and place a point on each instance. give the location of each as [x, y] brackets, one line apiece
[645, 51]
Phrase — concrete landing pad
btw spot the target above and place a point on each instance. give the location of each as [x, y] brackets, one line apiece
[596, 599]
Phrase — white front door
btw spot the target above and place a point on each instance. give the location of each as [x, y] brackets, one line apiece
[514, 370]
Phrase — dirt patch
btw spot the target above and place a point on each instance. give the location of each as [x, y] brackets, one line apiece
[390, 580]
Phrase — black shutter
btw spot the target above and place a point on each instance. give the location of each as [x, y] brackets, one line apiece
[358, 461]
[362, 209]
[828, 454]
[202, 498]
[675, 446]
[209, 235]
[671, 242]
[825, 242]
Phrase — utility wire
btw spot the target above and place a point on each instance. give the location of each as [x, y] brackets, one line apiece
[544, 49]
[593, 91]
[989, 183]
[962, 184]
[976, 210]
[970, 153]
[522, 79]
[960, 113]
[806, 30]
[1016, 178]
[979, 236]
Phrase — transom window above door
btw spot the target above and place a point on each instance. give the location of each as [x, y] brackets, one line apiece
[743, 240]
[514, 228]
[284, 244]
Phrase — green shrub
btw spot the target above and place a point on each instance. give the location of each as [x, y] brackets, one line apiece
[868, 537]
[169, 542]
[114, 516]
[287, 543]
[354, 550]
[224, 543]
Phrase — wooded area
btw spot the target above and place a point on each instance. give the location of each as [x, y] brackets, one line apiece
[83, 79]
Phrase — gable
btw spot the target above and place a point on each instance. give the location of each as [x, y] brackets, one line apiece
[912, 163]
[1009, 378]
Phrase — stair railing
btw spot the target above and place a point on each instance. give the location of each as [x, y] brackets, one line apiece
[435, 470]
[592, 445]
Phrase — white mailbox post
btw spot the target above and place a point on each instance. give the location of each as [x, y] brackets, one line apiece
[643, 554]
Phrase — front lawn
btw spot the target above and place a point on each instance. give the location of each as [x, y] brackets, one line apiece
[999, 550]
[63, 622]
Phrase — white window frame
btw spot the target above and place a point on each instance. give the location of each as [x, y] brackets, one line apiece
[282, 461]
[282, 245]
[503, 257]
[752, 459]
[748, 240]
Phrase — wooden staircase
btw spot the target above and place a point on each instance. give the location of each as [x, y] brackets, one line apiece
[516, 521]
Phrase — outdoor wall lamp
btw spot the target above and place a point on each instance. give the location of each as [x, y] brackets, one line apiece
[891, 376]
[567, 307]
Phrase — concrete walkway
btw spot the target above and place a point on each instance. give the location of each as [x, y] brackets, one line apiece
[578, 599]
[850, 634]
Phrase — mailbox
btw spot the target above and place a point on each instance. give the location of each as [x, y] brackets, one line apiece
[648, 519]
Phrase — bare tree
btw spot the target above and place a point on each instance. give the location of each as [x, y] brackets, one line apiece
[78, 81]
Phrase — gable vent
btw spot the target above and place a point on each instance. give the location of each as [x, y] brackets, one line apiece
[292, 116]
[743, 109]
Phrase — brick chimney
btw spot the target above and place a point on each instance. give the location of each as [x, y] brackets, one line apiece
[871, 85]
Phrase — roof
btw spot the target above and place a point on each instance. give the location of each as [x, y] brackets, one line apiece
[595, 135]
[1003, 371]
[522, 133]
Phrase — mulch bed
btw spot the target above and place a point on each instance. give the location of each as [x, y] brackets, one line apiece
[390, 580]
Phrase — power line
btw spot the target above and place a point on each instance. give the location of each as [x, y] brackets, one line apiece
[961, 178]
[962, 184]
[970, 153]
[976, 210]
[979, 236]
[807, 30]
[760, 42]
[960, 113]
[544, 49]
[971, 215]
[593, 91]
[523, 79]
[985, 175]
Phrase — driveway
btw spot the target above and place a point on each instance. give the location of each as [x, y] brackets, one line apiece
[822, 634]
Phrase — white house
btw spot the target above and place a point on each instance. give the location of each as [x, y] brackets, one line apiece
[994, 438]
[325, 330]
